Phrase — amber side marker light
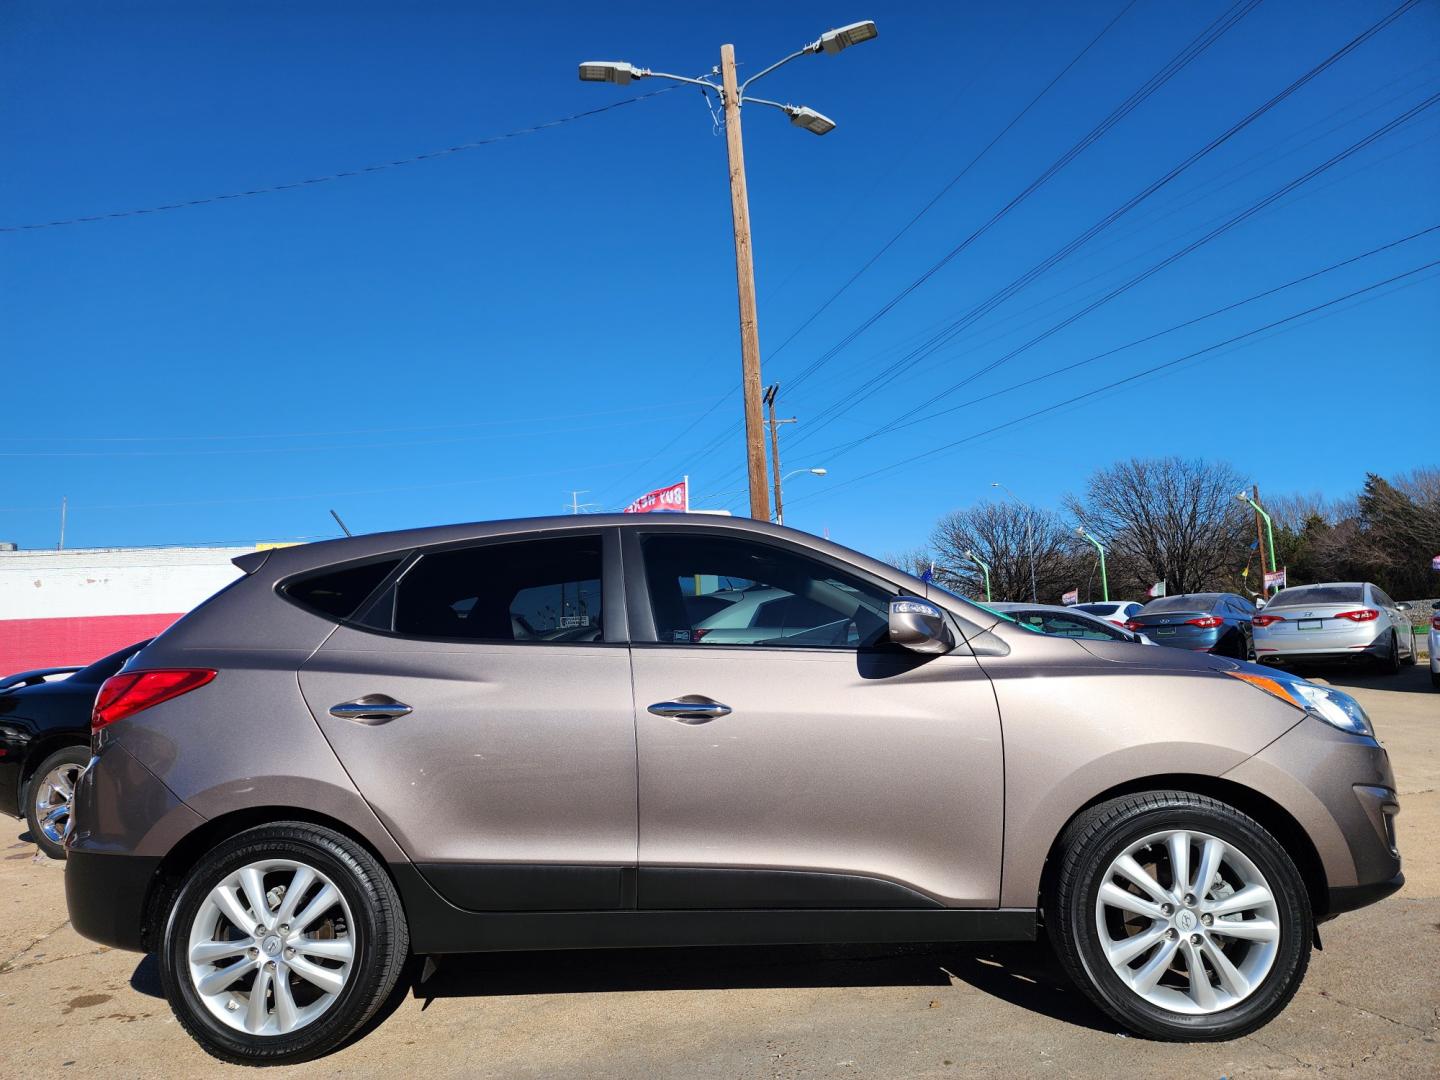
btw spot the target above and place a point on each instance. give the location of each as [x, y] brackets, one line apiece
[1274, 687]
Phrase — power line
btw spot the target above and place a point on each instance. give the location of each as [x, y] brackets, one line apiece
[845, 448]
[1167, 72]
[328, 177]
[950, 184]
[1127, 379]
[842, 406]
[1175, 256]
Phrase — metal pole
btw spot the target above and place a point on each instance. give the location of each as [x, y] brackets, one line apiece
[770, 394]
[1269, 536]
[1259, 539]
[1030, 539]
[63, 501]
[1104, 581]
[745, 282]
[984, 569]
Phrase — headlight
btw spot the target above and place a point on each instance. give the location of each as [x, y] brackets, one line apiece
[1334, 707]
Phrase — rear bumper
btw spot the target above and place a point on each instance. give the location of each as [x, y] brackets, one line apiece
[1361, 644]
[107, 894]
[1358, 896]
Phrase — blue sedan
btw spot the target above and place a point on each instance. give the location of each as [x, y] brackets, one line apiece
[1203, 622]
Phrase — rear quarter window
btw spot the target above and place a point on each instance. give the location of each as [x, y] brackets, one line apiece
[338, 594]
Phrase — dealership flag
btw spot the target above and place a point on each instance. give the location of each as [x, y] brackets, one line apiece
[1435, 563]
[1071, 597]
[1275, 579]
[1158, 589]
[674, 499]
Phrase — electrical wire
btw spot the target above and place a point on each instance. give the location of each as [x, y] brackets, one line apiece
[329, 177]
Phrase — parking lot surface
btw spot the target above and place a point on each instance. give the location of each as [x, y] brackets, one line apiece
[1370, 1005]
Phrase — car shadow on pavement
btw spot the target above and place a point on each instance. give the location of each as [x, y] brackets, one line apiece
[1413, 680]
[1026, 975]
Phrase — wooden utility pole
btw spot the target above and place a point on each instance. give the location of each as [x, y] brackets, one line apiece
[745, 281]
[771, 393]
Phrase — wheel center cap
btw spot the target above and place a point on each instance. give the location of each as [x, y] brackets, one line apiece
[271, 946]
[1185, 920]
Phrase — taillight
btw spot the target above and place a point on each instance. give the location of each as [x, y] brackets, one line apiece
[131, 691]
[1206, 622]
[1135, 625]
[1361, 615]
[1435, 621]
[1117, 622]
[1266, 620]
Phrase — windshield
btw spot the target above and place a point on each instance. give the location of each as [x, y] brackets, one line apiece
[1097, 609]
[976, 603]
[1318, 594]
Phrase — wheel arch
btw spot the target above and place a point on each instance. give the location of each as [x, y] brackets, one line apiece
[1278, 821]
[187, 851]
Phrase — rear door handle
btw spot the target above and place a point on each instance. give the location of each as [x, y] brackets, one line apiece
[371, 709]
[691, 709]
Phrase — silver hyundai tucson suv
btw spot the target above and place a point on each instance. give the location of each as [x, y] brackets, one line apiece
[519, 735]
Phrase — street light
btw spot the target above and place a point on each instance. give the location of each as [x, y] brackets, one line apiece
[732, 96]
[984, 569]
[1269, 536]
[1029, 535]
[780, 514]
[1104, 582]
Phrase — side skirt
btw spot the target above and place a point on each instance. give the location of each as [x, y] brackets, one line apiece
[437, 926]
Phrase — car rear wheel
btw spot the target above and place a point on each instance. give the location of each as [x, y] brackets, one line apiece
[1390, 665]
[1179, 916]
[281, 943]
[48, 797]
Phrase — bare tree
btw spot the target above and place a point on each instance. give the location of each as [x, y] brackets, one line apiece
[1168, 520]
[1001, 533]
[915, 561]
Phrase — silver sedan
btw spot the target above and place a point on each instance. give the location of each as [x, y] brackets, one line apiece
[1338, 621]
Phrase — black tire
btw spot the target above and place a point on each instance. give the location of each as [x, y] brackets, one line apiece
[1412, 657]
[1435, 680]
[1087, 849]
[70, 758]
[379, 929]
[1390, 665]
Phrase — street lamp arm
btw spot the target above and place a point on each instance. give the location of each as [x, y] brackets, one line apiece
[814, 46]
[646, 73]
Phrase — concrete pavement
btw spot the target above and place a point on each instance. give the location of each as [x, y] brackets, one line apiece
[1370, 1004]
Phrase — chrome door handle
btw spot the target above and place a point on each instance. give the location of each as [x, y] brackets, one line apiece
[371, 709]
[691, 709]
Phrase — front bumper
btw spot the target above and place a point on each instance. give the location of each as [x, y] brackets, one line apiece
[1341, 791]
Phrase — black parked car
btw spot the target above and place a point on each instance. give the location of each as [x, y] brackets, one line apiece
[45, 742]
[1212, 622]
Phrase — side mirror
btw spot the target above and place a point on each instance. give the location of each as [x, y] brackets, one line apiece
[919, 625]
[1402, 607]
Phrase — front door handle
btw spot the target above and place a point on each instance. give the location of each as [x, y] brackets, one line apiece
[371, 709]
[691, 709]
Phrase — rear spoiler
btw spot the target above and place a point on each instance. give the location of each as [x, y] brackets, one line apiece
[252, 560]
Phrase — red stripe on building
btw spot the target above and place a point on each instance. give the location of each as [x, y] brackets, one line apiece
[39, 643]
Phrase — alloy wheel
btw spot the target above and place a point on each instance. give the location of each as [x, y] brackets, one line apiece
[271, 947]
[53, 795]
[1187, 921]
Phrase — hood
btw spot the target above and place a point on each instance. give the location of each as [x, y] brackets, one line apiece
[1158, 659]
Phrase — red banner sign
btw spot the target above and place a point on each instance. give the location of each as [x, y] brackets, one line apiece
[674, 499]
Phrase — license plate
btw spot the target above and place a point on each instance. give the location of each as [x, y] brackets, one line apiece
[1310, 624]
[1165, 631]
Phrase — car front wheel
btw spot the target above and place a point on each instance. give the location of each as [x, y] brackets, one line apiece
[1181, 917]
[281, 943]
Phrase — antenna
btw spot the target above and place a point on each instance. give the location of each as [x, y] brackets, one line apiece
[343, 527]
[575, 506]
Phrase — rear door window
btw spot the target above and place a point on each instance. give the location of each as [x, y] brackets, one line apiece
[544, 591]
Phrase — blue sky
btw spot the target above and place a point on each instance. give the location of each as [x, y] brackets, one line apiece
[476, 335]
